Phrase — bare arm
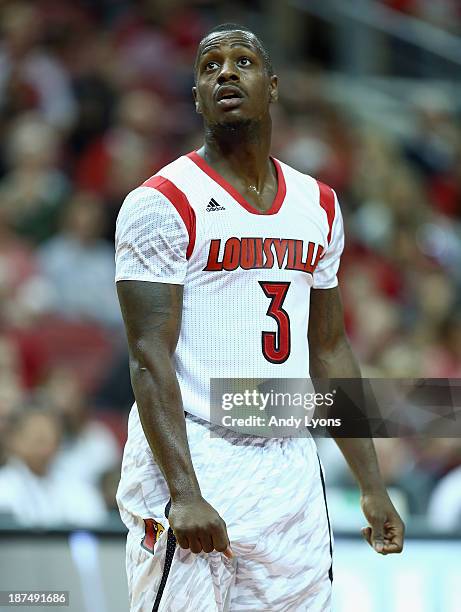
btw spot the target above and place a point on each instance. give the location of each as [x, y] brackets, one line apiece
[152, 315]
[331, 357]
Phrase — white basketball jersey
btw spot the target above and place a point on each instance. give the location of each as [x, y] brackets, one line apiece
[247, 274]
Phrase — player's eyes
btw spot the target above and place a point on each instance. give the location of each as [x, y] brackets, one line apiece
[244, 61]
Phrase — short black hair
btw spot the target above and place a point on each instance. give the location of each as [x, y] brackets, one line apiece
[235, 27]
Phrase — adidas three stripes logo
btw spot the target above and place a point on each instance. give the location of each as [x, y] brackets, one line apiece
[213, 205]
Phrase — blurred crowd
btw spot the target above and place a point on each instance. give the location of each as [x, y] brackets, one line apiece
[445, 14]
[94, 98]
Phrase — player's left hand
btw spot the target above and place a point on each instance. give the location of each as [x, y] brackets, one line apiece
[385, 532]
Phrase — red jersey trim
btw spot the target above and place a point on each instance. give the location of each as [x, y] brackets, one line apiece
[279, 196]
[180, 202]
[327, 202]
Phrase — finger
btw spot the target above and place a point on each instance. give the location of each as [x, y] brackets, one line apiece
[195, 545]
[393, 544]
[206, 541]
[220, 537]
[392, 548]
[377, 534]
[366, 533]
[228, 552]
[181, 540]
[394, 536]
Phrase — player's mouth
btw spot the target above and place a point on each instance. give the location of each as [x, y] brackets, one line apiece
[229, 96]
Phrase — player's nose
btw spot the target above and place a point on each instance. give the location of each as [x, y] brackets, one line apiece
[228, 72]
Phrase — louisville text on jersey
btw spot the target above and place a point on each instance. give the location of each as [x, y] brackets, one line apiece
[263, 253]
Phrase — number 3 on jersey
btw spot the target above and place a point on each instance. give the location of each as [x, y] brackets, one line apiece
[276, 346]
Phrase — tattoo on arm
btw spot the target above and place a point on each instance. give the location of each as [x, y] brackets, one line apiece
[151, 312]
[152, 315]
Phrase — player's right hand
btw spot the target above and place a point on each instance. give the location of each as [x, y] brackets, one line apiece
[198, 527]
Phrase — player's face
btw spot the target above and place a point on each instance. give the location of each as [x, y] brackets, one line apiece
[232, 81]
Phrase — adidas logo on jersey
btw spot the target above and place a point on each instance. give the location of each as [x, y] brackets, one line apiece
[213, 205]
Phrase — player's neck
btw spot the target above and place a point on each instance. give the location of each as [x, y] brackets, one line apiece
[240, 152]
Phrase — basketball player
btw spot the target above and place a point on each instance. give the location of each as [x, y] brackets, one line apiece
[226, 267]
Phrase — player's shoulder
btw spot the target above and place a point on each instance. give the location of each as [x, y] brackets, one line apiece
[158, 201]
[172, 172]
[307, 187]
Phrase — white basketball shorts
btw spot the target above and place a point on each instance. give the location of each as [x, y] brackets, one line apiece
[270, 492]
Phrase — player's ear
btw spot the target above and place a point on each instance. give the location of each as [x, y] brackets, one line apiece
[197, 103]
[274, 89]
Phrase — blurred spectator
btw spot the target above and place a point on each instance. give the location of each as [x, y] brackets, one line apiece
[436, 456]
[88, 447]
[30, 491]
[443, 13]
[145, 51]
[33, 190]
[108, 486]
[133, 148]
[436, 143]
[443, 357]
[31, 78]
[444, 512]
[402, 473]
[17, 258]
[79, 264]
[23, 293]
[11, 390]
[94, 69]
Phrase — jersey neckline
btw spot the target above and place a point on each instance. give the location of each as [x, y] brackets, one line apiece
[279, 196]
